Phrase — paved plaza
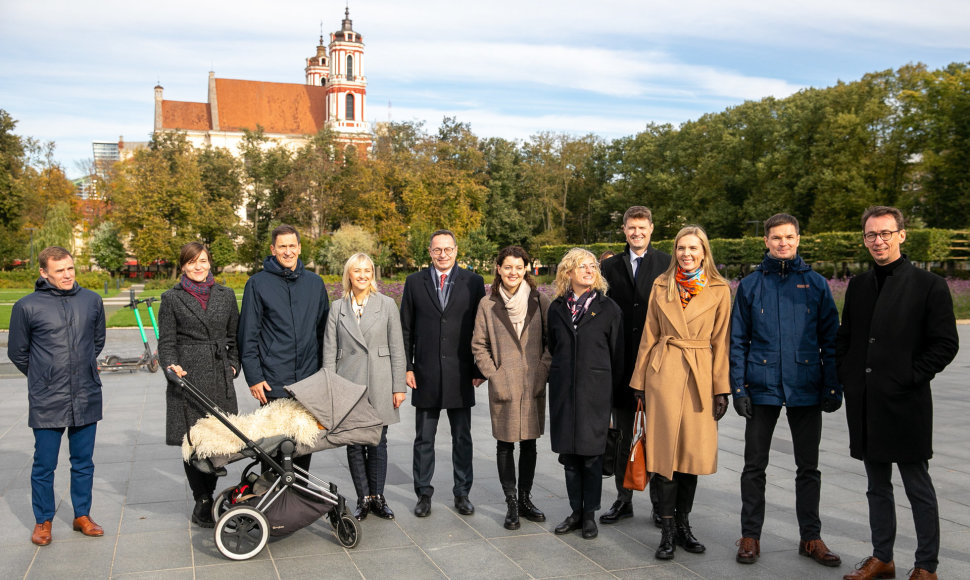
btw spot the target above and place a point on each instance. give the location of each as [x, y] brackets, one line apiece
[143, 502]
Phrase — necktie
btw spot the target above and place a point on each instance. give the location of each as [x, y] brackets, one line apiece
[441, 291]
[636, 272]
[443, 277]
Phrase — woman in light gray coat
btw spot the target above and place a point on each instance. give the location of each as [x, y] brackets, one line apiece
[363, 343]
[509, 345]
[197, 337]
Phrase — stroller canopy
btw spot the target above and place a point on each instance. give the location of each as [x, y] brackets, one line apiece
[341, 407]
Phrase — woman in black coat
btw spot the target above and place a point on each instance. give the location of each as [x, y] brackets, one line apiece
[586, 343]
[197, 338]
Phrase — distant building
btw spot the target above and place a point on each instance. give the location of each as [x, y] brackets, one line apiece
[107, 153]
[333, 95]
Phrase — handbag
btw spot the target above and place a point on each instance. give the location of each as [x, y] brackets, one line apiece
[636, 467]
[612, 456]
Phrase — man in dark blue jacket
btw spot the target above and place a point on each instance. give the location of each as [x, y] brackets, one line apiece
[56, 334]
[281, 323]
[783, 331]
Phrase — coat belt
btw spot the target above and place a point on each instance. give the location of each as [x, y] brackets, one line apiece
[667, 341]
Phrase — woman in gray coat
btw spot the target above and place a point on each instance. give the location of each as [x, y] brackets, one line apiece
[363, 343]
[197, 338]
[510, 349]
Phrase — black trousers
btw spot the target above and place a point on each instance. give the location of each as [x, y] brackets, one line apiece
[922, 500]
[425, 429]
[623, 420]
[676, 495]
[505, 459]
[806, 433]
[368, 466]
[584, 480]
[202, 484]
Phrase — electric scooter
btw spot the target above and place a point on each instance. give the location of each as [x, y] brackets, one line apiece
[147, 358]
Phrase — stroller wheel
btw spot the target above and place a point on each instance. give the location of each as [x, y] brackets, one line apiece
[348, 531]
[222, 503]
[241, 533]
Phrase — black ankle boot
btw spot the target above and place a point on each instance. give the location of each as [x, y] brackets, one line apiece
[665, 551]
[512, 515]
[685, 537]
[572, 522]
[363, 508]
[528, 510]
[202, 513]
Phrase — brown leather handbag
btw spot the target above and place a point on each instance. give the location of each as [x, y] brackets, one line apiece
[636, 476]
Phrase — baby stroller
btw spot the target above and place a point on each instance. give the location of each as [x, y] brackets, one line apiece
[274, 496]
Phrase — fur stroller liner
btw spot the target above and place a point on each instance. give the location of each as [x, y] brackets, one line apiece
[326, 411]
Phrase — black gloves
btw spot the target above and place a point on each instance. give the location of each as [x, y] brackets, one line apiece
[744, 407]
[720, 406]
[831, 405]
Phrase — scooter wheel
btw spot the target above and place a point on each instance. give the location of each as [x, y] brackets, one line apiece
[241, 533]
[348, 531]
[153, 365]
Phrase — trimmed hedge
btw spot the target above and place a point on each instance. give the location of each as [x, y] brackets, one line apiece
[27, 278]
[925, 245]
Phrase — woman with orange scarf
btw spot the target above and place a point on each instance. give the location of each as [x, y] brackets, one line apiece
[682, 375]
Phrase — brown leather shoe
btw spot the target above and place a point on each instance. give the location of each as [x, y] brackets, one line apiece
[921, 574]
[870, 568]
[749, 549]
[42, 534]
[818, 551]
[86, 526]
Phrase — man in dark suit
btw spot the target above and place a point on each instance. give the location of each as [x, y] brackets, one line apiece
[898, 331]
[630, 275]
[437, 318]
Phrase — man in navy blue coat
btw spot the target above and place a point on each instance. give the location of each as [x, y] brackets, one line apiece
[56, 334]
[281, 322]
[437, 318]
[783, 331]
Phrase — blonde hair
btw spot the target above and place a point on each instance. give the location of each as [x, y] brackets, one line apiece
[569, 263]
[707, 263]
[353, 262]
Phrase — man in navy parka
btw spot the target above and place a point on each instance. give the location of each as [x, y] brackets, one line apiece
[783, 330]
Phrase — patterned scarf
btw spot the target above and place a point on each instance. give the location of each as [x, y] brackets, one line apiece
[578, 305]
[199, 290]
[689, 284]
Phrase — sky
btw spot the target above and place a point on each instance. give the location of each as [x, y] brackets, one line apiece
[77, 71]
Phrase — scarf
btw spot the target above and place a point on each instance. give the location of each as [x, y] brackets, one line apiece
[689, 284]
[517, 305]
[199, 290]
[578, 305]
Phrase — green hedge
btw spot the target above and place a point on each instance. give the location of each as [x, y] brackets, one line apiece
[26, 279]
[926, 245]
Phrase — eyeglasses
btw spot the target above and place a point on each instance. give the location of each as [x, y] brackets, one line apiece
[588, 267]
[885, 236]
[445, 251]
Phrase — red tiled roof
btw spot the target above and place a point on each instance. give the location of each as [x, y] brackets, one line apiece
[186, 116]
[285, 108]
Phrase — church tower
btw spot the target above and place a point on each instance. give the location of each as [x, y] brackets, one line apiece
[347, 87]
[318, 65]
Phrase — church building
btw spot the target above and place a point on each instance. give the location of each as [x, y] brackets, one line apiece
[333, 95]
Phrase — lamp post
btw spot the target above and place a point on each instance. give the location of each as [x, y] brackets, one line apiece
[31, 230]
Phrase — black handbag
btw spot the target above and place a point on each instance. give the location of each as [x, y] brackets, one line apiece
[612, 457]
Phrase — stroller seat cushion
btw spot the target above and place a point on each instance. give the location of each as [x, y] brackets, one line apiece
[282, 417]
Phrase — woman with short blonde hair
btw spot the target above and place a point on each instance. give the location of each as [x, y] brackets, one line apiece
[364, 344]
[586, 344]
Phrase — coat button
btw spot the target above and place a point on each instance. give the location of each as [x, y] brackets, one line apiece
[832, 391]
[868, 370]
[765, 361]
[872, 340]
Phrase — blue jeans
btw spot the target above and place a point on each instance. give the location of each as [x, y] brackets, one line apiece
[47, 445]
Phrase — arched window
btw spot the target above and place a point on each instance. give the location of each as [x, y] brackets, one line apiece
[350, 67]
[350, 106]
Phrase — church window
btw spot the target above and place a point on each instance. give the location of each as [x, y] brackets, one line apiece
[350, 67]
[350, 106]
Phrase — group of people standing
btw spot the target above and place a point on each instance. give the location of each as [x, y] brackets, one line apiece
[641, 328]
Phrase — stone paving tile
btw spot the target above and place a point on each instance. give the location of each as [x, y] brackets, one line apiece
[338, 565]
[411, 563]
[152, 551]
[546, 556]
[176, 574]
[88, 558]
[17, 555]
[237, 570]
[476, 560]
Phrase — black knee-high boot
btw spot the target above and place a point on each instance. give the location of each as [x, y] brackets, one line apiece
[667, 494]
[686, 486]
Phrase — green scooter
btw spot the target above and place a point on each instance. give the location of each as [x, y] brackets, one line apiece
[147, 359]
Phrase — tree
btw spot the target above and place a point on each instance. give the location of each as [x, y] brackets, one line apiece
[13, 239]
[265, 168]
[344, 243]
[106, 249]
[58, 228]
[478, 250]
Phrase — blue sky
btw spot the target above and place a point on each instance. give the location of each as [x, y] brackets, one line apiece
[77, 71]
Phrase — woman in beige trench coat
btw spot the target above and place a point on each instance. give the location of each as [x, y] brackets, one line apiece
[682, 375]
[509, 345]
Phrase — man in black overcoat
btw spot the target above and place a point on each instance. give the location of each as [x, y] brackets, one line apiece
[437, 318]
[898, 331]
[630, 275]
